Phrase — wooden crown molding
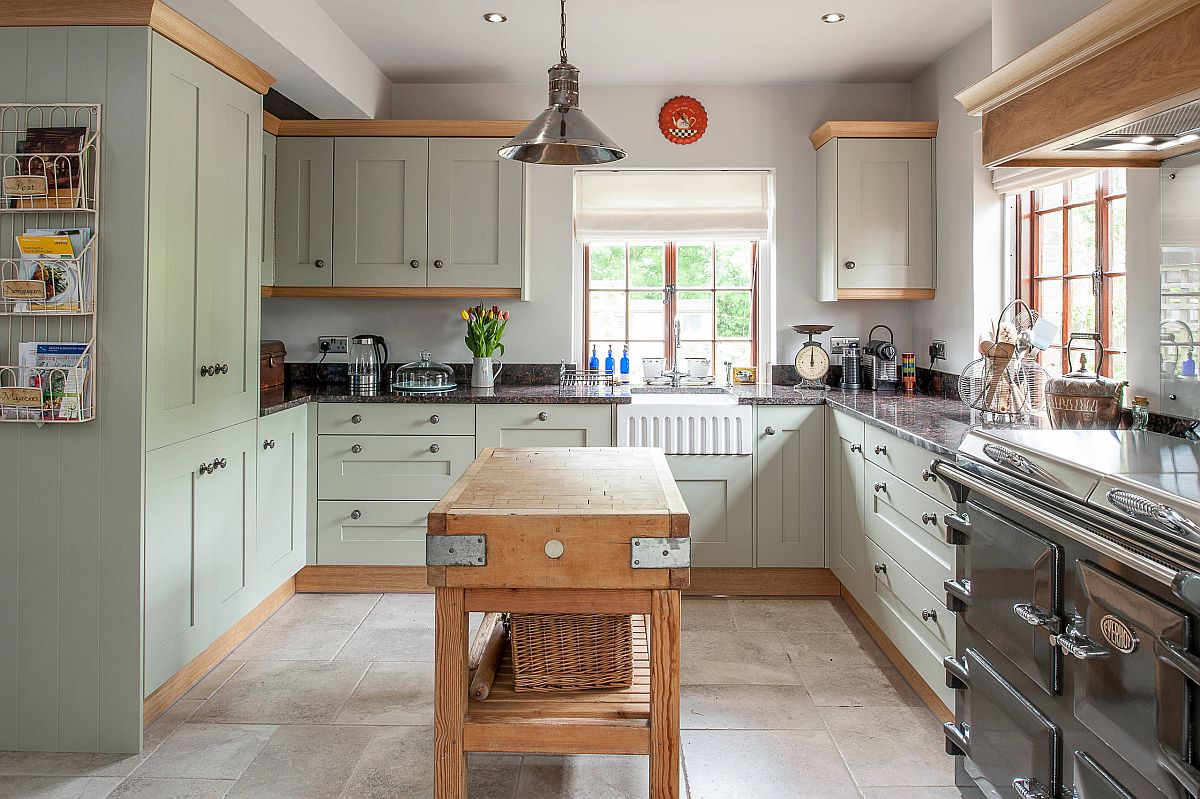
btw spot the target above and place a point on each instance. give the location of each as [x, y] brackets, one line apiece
[1115, 22]
[885, 294]
[271, 123]
[154, 14]
[391, 292]
[873, 129]
[422, 128]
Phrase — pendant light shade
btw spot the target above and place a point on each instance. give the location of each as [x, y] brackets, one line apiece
[562, 134]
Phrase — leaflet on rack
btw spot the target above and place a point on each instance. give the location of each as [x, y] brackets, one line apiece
[60, 370]
[56, 264]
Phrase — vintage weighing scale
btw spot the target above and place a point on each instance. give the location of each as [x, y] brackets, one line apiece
[812, 361]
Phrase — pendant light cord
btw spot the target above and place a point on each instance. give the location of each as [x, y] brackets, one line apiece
[562, 32]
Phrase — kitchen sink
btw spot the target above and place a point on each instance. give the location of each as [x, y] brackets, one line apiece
[669, 395]
[705, 420]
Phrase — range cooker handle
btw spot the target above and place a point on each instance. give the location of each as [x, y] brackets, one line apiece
[1186, 586]
[1136, 505]
[1074, 643]
[958, 739]
[1038, 616]
[958, 595]
[1027, 788]
[958, 529]
[1178, 658]
[1186, 775]
[957, 676]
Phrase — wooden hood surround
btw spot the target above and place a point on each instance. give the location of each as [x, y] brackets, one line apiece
[1124, 62]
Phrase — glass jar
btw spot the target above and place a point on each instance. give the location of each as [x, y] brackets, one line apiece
[425, 374]
[1141, 413]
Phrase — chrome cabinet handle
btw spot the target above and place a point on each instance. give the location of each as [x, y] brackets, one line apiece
[438, 264]
[881, 568]
[1079, 646]
[1031, 789]
[435, 419]
[414, 263]
[856, 447]
[319, 263]
[207, 371]
[850, 264]
[356, 514]
[770, 431]
[928, 614]
[880, 449]
[356, 449]
[543, 416]
[269, 444]
[928, 476]
[880, 487]
[434, 448]
[1132, 504]
[356, 419]
[929, 518]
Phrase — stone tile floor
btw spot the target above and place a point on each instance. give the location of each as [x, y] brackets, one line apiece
[332, 698]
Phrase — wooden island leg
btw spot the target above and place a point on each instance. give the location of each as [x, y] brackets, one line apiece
[664, 694]
[450, 694]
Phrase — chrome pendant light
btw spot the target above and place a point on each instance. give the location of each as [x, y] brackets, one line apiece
[562, 134]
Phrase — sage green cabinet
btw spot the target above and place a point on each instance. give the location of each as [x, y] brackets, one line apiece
[719, 493]
[199, 545]
[845, 502]
[390, 467]
[476, 215]
[789, 486]
[378, 532]
[380, 211]
[282, 449]
[545, 425]
[204, 239]
[304, 211]
[269, 159]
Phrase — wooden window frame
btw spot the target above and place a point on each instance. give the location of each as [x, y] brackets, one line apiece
[1029, 214]
[671, 291]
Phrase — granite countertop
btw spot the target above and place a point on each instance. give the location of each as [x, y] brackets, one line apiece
[932, 422]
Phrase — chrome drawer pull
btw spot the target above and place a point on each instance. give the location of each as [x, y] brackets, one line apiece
[880, 487]
[414, 263]
[929, 518]
[434, 448]
[928, 476]
[1079, 646]
[1031, 789]
[770, 431]
[881, 568]
[1136, 505]
[543, 416]
[856, 447]
[435, 419]
[880, 449]
[356, 419]
[928, 614]
[356, 449]
[356, 514]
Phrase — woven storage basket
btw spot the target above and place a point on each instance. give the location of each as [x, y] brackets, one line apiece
[571, 652]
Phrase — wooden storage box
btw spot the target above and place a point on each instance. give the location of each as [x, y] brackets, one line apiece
[272, 354]
[571, 651]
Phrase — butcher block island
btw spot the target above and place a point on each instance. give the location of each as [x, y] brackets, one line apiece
[559, 532]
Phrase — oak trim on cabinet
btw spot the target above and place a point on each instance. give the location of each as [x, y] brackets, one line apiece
[183, 680]
[362, 580]
[935, 704]
[872, 129]
[155, 14]
[885, 294]
[271, 123]
[392, 292]
[419, 128]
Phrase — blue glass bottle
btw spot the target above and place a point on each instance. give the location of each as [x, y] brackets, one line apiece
[594, 361]
[625, 364]
[1189, 366]
[610, 363]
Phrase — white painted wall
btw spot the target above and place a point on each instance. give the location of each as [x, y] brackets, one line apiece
[1143, 236]
[751, 126]
[1020, 25]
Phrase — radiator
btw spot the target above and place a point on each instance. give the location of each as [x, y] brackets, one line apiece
[686, 429]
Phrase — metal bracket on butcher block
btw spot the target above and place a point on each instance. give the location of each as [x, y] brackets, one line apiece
[456, 550]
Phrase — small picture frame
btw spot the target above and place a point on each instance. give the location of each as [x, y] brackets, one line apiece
[744, 375]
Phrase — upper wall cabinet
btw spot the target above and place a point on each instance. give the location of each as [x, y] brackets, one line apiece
[304, 211]
[875, 210]
[270, 146]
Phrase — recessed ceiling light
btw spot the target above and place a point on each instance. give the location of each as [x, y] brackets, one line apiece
[833, 17]
[494, 16]
[1142, 140]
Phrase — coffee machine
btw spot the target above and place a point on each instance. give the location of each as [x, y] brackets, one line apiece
[879, 367]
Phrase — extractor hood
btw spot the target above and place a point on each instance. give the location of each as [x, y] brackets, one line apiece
[1161, 133]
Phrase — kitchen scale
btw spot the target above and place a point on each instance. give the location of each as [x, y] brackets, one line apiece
[812, 361]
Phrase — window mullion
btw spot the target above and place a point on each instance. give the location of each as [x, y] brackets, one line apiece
[671, 300]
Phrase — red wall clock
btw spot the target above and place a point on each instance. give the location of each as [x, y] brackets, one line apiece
[682, 120]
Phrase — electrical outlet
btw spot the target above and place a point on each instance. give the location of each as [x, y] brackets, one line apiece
[331, 345]
[937, 350]
[838, 345]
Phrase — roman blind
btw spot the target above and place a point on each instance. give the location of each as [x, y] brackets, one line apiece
[631, 204]
[1018, 180]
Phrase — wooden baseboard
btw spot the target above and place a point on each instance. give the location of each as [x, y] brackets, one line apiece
[362, 580]
[910, 674]
[182, 681]
[763, 582]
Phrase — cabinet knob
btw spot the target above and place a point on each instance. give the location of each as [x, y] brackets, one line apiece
[438, 264]
[223, 368]
[881, 568]
[880, 449]
[850, 264]
[880, 487]
[205, 469]
[207, 371]
[543, 416]
[435, 419]
[414, 263]
[928, 614]
[435, 448]
[319, 263]
[928, 476]
[269, 444]
[356, 449]
[356, 514]
[856, 447]
[770, 431]
[356, 419]
[221, 462]
[929, 518]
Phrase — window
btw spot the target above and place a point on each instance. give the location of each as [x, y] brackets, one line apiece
[1071, 266]
[634, 290]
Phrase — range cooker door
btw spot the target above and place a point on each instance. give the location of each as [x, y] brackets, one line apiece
[1131, 665]
[1012, 748]
[1011, 592]
[1092, 780]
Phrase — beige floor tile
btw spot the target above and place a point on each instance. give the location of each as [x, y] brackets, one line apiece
[296, 641]
[68, 764]
[748, 707]
[926, 792]
[584, 777]
[713, 658]
[412, 611]
[30, 787]
[388, 644]
[858, 686]
[492, 776]
[787, 615]
[392, 693]
[707, 613]
[891, 746]
[207, 751]
[397, 762]
[172, 719]
[304, 762]
[325, 608]
[844, 650]
[765, 764]
[138, 787]
[293, 692]
[209, 684]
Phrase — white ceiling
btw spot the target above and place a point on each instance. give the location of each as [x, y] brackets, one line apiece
[657, 41]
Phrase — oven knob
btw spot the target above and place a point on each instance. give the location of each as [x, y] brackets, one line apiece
[880, 487]
[881, 568]
[928, 614]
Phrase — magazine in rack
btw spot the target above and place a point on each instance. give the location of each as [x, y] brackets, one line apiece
[60, 371]
[59, 260]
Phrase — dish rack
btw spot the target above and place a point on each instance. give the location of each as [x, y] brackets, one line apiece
[48, 351]
[1007, 381]
[571, 376]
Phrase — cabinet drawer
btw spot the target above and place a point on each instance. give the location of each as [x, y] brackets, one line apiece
[390, 467]
[908, 462]
[372, 532]
[544, 425]
[896, 606]
[911, 526]
[379, 419]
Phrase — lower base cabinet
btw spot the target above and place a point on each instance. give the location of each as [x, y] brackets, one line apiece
[351, 533]
[789, 487]
[845, 502]
[719, 493]
[543, 425]
[282, 528]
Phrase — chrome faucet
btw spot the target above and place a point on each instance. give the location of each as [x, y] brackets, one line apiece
[675, 374]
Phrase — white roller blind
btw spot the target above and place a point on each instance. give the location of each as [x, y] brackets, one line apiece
[1018, 180]
[685, 204]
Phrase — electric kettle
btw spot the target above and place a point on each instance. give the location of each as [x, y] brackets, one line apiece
[367, 356]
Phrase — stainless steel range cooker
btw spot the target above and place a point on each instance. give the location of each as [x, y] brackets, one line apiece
[1077, 588]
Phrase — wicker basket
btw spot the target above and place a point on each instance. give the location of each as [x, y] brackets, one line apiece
[571, 652]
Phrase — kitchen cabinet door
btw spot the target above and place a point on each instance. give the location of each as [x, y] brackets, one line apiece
[380, 210]
[789, 487]
[845, 503]
[718, 492]
[476, 215]
[376, 533]
[304, 211]
[282, 449]
[547, 425]
[225, 520]
[390, 467]
[269, 158]
[885, 214]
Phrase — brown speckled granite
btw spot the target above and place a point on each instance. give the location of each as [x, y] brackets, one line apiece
[513, 374]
